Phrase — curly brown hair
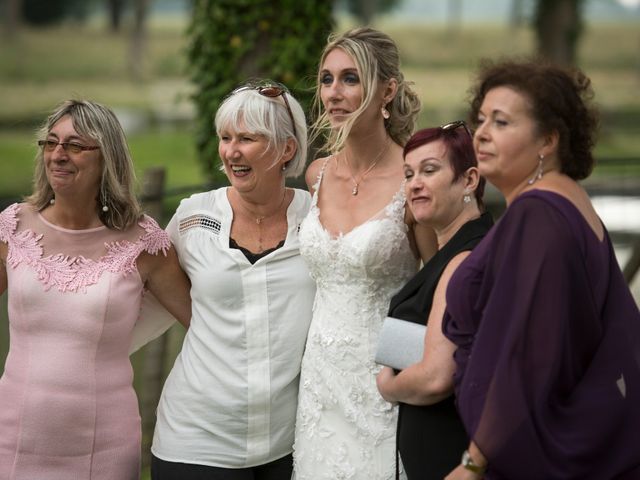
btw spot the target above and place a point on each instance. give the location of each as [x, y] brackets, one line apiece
[560, 100]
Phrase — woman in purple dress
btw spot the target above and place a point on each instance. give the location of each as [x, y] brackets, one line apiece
[548, 334]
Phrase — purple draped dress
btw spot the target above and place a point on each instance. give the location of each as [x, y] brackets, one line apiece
[548, 358]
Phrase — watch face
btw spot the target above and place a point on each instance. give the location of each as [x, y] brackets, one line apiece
[467, 462]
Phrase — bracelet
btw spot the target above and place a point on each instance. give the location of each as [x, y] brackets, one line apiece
[468, 463]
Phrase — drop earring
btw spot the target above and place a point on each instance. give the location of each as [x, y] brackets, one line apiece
[466, 198]
[103, 199]
[53, 200]
[385, 113]
[539, 173]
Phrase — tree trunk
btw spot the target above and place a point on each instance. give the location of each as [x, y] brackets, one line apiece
[11, 18]
[516, 19]
[138, 39]
[558, 27]
[115, 9]
[367, 11]
[454, 15]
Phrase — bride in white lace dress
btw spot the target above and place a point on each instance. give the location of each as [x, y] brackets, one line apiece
[361, 248]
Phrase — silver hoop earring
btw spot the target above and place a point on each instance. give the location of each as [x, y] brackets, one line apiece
[385, 113]
[539, 173]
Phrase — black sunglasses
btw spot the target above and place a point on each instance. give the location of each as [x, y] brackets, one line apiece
[457, 124]
[272, 91]
[69, 147]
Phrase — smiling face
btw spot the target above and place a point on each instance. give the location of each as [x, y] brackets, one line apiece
[249, 162]
[506, 141]
[77, 174]
[432, 195]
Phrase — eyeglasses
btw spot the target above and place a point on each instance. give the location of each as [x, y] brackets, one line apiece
[69, 147]
[457, 124]
[272, 91]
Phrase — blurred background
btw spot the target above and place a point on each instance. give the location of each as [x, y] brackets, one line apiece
[164, 66]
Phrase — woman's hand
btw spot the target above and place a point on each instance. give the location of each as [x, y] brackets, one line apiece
[385, 381]
[461, 473]
[476, 458]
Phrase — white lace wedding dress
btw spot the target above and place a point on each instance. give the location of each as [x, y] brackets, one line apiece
[344, 429]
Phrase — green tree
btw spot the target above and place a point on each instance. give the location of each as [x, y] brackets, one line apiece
[232, 41]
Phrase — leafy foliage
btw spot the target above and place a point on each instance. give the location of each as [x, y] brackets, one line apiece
[232, 41]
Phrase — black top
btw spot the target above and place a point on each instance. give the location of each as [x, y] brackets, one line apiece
[431, 438]
[251, 256]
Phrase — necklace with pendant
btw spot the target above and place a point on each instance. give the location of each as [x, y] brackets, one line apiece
[259, 219]
[356, 183]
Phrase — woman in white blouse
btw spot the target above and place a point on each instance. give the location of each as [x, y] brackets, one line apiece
[228, 407]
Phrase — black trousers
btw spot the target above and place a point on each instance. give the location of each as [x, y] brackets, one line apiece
[280, 469]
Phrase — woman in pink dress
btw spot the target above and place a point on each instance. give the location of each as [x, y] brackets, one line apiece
[77, 257]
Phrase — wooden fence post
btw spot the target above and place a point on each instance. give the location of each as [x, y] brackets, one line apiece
[154, 352]
[633, 264]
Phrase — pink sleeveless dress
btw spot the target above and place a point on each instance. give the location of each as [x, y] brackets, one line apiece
[67, 406]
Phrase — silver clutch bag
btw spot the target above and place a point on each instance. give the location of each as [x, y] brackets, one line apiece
[400, 344]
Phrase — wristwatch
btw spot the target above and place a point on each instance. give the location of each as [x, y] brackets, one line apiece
[468, 464]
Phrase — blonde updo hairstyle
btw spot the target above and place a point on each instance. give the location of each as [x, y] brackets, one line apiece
[377, 60]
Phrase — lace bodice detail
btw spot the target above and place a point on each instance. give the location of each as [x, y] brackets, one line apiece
[345, 430]
[49, 249]
[66, 395]
[358, 269]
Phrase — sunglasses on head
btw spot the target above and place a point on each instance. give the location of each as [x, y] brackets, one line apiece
[272, 91]
[457, 124]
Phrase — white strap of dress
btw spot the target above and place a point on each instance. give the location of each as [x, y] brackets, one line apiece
[316, 186]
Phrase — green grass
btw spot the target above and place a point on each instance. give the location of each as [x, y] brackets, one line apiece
[436, 47]
[89, 52]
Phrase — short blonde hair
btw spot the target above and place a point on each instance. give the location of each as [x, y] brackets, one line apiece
[117, 183]
[377, 60]
[266, 116]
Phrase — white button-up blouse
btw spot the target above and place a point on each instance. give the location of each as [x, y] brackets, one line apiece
[230, 399]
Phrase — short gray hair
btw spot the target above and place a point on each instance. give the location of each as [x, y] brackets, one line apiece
[267, 116]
